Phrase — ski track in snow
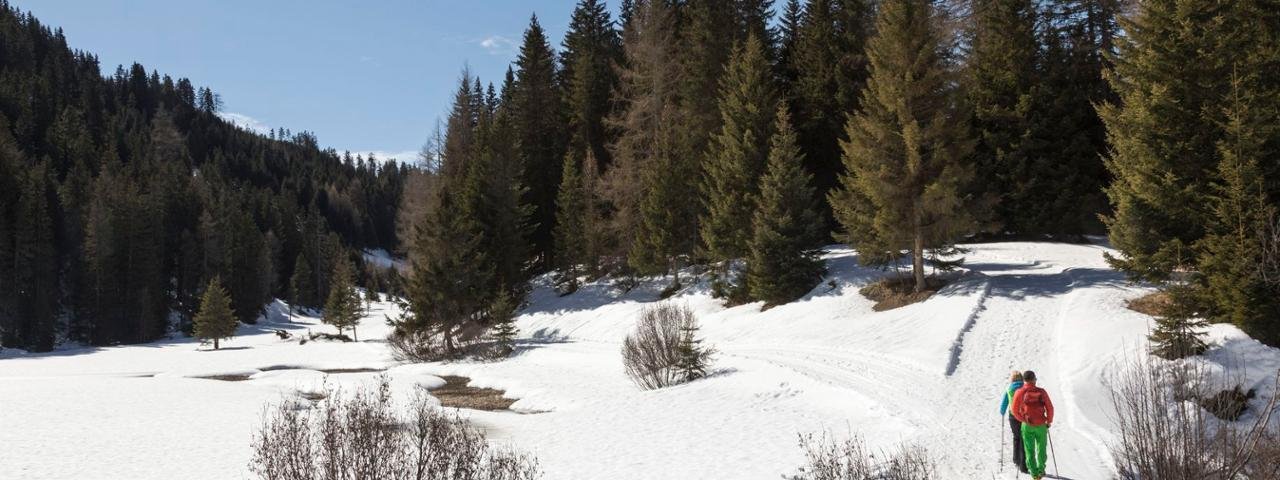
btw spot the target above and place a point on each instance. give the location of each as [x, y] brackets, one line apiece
[931, 373]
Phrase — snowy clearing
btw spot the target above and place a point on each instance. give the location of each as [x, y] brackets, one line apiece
[930, 373]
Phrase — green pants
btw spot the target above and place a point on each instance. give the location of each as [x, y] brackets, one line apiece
[1035, 443]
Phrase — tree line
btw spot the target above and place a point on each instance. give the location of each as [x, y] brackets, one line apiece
[709, 132]
[123, 197]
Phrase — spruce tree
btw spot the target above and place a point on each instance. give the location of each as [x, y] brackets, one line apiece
[572, 251]
[1001, 75]
[738, 153]
[784, 263]
[830, 64]
[591, 49]
[906, 146]
[1242, 211]
[342, 309]
[502, 315]
[707, 31]
[538, 127]
[302, 285]
[692, 358]
[216, 320]
[35, 265]
[1178, 333]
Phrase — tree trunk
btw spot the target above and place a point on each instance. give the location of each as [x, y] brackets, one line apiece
[354, 336]
[215, 344]
[917, 259]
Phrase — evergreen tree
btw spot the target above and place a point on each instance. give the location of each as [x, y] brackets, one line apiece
[1178, 333]
[592, 48]
[1234, 245]
[831, 69]
[538, 125]
[905, 148]
[739, 152]
[692, 358]
[1001, 75]
[342, 309]
[302, 284]
[35, 265]
[216, 320]
[502, 315]
[707, 31]
[572, 250]
[495, 189]
[784, 264]
[1171, 77]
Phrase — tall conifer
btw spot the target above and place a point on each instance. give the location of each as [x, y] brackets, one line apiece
[905, 148]
[216, 320]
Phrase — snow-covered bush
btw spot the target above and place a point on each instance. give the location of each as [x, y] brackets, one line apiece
[1165, 433]
[365, 435]
[662, 350]
[827, 459]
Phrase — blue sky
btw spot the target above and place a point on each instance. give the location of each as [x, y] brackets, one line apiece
[371, 76]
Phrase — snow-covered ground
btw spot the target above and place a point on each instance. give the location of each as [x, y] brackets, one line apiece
[930, 373]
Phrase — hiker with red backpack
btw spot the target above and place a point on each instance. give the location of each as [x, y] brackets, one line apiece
[1019, 455]
[1032, 407]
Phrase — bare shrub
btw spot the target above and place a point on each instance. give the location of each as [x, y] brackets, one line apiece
[827, 459]
[363, 436]
[1164, 433]
[651, 353]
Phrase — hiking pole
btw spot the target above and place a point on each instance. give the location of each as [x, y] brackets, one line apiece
[1054, 454]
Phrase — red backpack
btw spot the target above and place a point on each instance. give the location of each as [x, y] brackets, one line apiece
[1033, 405]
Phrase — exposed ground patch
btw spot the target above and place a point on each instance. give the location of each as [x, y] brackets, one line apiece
[457, 394]
[1154, 303]
[894, 292]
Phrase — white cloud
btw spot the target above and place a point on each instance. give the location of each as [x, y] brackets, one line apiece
[384, 156]
[245, 122]
[497, 44]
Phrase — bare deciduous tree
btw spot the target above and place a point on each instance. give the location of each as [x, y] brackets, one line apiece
[827, 459]
[652, 351]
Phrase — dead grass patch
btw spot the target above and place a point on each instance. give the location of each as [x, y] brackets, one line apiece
[894, 292]
[457, 394]
[1154, 303]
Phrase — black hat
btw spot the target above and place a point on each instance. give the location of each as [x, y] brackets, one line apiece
[1029, 376]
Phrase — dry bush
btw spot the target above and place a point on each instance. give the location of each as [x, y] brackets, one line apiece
[364, 436]
[827, 459]
[894, 292]
[651, 352]
[1154, 303]
[1165, 434]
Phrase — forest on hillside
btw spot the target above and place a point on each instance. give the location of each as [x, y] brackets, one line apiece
[123, 196]
[739, 136]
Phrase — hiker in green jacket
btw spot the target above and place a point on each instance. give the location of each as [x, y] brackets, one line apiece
[1019, 455]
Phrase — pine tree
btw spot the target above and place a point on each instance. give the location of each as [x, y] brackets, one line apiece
[739, 152]
[831, 69]
[499, 208]
[572, 251]
[784, 264]
[342, 309]
[1234, 245]
[1171, 77]
[1001, 75]
[538, 126]
[592, 47]
[905, 148]
[692, 358]
[502, 315]
[1178, 333]
[707, 31]
[302, 285]
[216, 320]
[34, 265]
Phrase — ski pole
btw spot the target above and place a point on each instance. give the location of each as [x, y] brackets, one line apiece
[1053, 453]
[1002, 445]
